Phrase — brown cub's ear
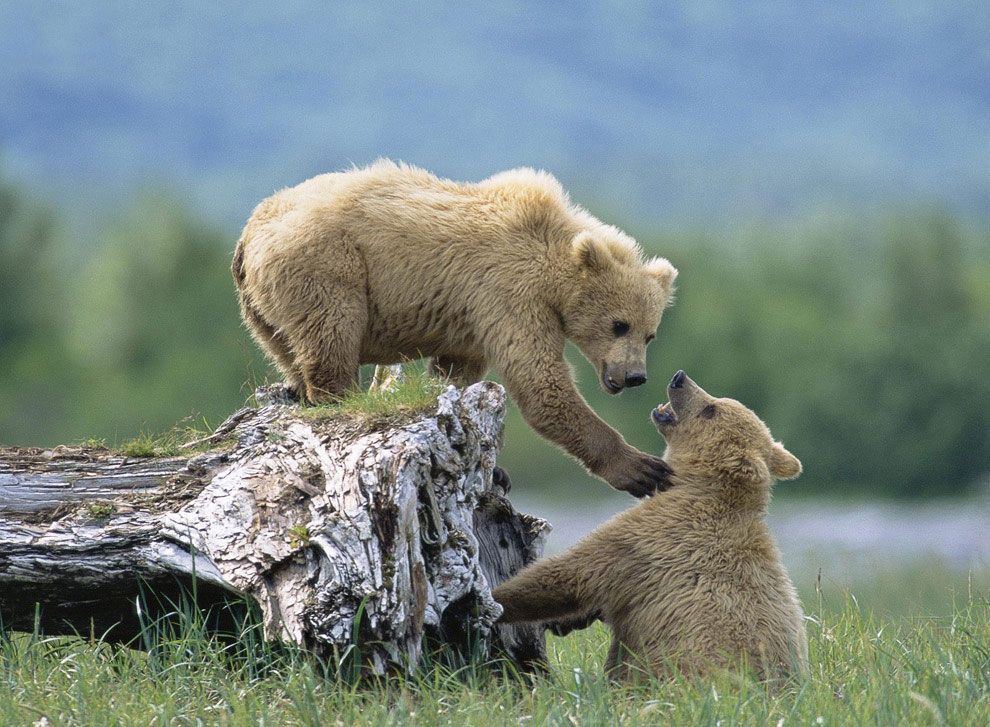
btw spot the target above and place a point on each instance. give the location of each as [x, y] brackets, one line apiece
[783, 464]
[664, 273]
[742, 466]
[751, 469]
[590, 253]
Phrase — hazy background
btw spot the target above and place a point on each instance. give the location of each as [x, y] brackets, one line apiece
[821, 178]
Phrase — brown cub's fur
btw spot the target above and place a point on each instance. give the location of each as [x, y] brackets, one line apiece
[387, 263]
[691, 578]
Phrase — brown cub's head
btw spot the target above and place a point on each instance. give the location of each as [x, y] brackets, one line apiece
[614, 308]
[718, 439]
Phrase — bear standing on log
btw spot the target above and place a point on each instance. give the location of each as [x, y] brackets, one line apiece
[388, 263]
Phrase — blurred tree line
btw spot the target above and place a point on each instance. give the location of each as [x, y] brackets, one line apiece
[865, 346]
[104, 339]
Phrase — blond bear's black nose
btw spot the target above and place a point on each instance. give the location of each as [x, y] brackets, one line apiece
[635, 378]
[678, 380]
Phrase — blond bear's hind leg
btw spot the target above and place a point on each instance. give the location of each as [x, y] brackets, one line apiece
[460, 371]
[328, 345]
[274, 344]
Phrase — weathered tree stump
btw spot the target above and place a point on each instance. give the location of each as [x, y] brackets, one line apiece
[316, 520]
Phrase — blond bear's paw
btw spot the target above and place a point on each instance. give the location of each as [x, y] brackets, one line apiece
[641, 475]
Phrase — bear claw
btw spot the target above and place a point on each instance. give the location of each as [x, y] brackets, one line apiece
[654, 477]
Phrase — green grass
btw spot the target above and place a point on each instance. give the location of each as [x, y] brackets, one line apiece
[893, 590]
[417, 392]
[94, 443]
[170, 443]
[149, 444]
[926, 668]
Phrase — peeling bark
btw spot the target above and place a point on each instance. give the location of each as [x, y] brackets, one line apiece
[315, 520]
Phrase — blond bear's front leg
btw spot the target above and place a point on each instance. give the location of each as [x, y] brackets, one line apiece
[552, 405]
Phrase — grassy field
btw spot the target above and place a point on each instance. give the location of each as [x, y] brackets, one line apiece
[885, 652]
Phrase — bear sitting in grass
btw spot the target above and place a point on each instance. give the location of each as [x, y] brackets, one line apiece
[691, 579]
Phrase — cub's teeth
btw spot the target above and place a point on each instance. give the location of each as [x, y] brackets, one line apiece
[664, 414]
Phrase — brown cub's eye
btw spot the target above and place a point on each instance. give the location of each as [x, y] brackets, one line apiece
[620, 328]
[708, 412]
[650, 338]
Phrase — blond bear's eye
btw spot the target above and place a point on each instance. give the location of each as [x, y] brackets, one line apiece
[620, 328]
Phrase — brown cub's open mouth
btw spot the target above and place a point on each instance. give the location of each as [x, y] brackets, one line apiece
[665, 414]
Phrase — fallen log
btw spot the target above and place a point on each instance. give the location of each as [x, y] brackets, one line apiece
[391, 533]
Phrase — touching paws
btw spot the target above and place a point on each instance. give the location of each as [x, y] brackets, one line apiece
[642, 475]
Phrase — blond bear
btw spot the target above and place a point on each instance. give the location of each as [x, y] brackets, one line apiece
[690, 579]
[388, 263]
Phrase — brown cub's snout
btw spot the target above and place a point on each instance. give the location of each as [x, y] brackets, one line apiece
[682, 393]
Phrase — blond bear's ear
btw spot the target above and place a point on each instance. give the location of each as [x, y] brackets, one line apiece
[661, 269]
[591, 254]
[783, 464]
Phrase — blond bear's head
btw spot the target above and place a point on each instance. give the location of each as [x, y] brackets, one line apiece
[614, 306]
[720, 440]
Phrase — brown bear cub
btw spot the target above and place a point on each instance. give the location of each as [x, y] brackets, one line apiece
[390, 263]
[690, 579]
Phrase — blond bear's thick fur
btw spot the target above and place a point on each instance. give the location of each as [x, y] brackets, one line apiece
[387, 263]
[692, 578]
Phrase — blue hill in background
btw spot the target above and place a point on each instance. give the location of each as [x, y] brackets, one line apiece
[712, 111]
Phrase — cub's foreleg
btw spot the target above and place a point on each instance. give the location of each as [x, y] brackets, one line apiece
[547, 590]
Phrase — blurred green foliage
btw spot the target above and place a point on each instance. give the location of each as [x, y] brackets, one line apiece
[133, 331]
[864, 345]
